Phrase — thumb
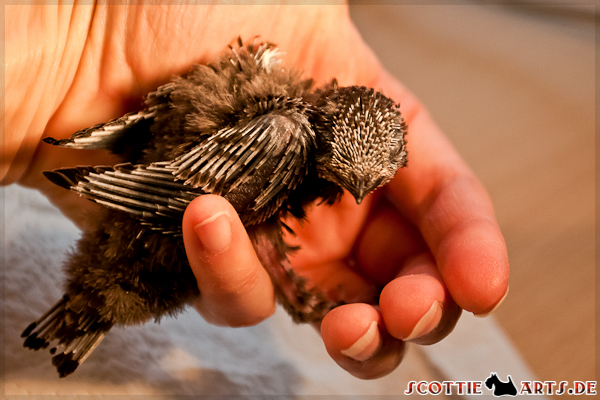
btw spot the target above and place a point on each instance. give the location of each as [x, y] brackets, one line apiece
[235, 290]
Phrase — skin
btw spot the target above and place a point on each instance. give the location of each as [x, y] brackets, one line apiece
[429, 236]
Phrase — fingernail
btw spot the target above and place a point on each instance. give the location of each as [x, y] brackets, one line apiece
[485, 314]
[215, 232]
[428, 322]
[366, 346]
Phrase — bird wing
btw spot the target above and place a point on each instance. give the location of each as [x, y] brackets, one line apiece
[228, 161]
[148, 193]
[117, 134]
[131, 130]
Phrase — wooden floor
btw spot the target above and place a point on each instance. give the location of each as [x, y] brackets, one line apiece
[513, 88]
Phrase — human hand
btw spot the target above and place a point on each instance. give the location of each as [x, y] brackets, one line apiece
[429, 236]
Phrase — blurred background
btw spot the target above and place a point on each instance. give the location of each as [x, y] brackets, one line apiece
[513, 87]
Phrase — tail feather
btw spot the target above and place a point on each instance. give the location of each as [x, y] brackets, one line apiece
[77, 335]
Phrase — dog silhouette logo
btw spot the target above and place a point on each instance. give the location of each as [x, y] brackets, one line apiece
[501, 388]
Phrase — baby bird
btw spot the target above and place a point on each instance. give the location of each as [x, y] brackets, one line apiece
[244, 127]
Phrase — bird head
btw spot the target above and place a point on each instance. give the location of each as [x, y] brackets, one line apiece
[360, 138]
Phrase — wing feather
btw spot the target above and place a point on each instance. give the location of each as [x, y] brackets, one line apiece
[153, 196]
[262, 160]
[227, 160]
[115, 134]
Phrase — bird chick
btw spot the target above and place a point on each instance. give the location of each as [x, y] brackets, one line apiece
[244, 127]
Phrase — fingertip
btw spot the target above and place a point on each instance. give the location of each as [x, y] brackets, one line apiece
[412, 303]
[344, 329]
[204, 207]
[494, 308]
[356, 339]
[416, 306]
[474, 263]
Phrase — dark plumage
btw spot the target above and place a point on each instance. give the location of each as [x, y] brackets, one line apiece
[244, 127]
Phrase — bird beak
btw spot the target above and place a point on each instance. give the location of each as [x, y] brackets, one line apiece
[360, 194]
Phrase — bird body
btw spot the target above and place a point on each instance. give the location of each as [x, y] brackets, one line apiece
[245, 128]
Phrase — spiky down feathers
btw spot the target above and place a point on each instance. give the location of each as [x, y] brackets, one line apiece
[360, 135]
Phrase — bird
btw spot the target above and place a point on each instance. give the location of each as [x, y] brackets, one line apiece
[245, 127]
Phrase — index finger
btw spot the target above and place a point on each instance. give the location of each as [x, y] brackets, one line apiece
[443, 198]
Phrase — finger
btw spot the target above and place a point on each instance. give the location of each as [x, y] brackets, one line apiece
[235, 290]
[416, 305]
[452, 211]
[459, 227]
[356, 339]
